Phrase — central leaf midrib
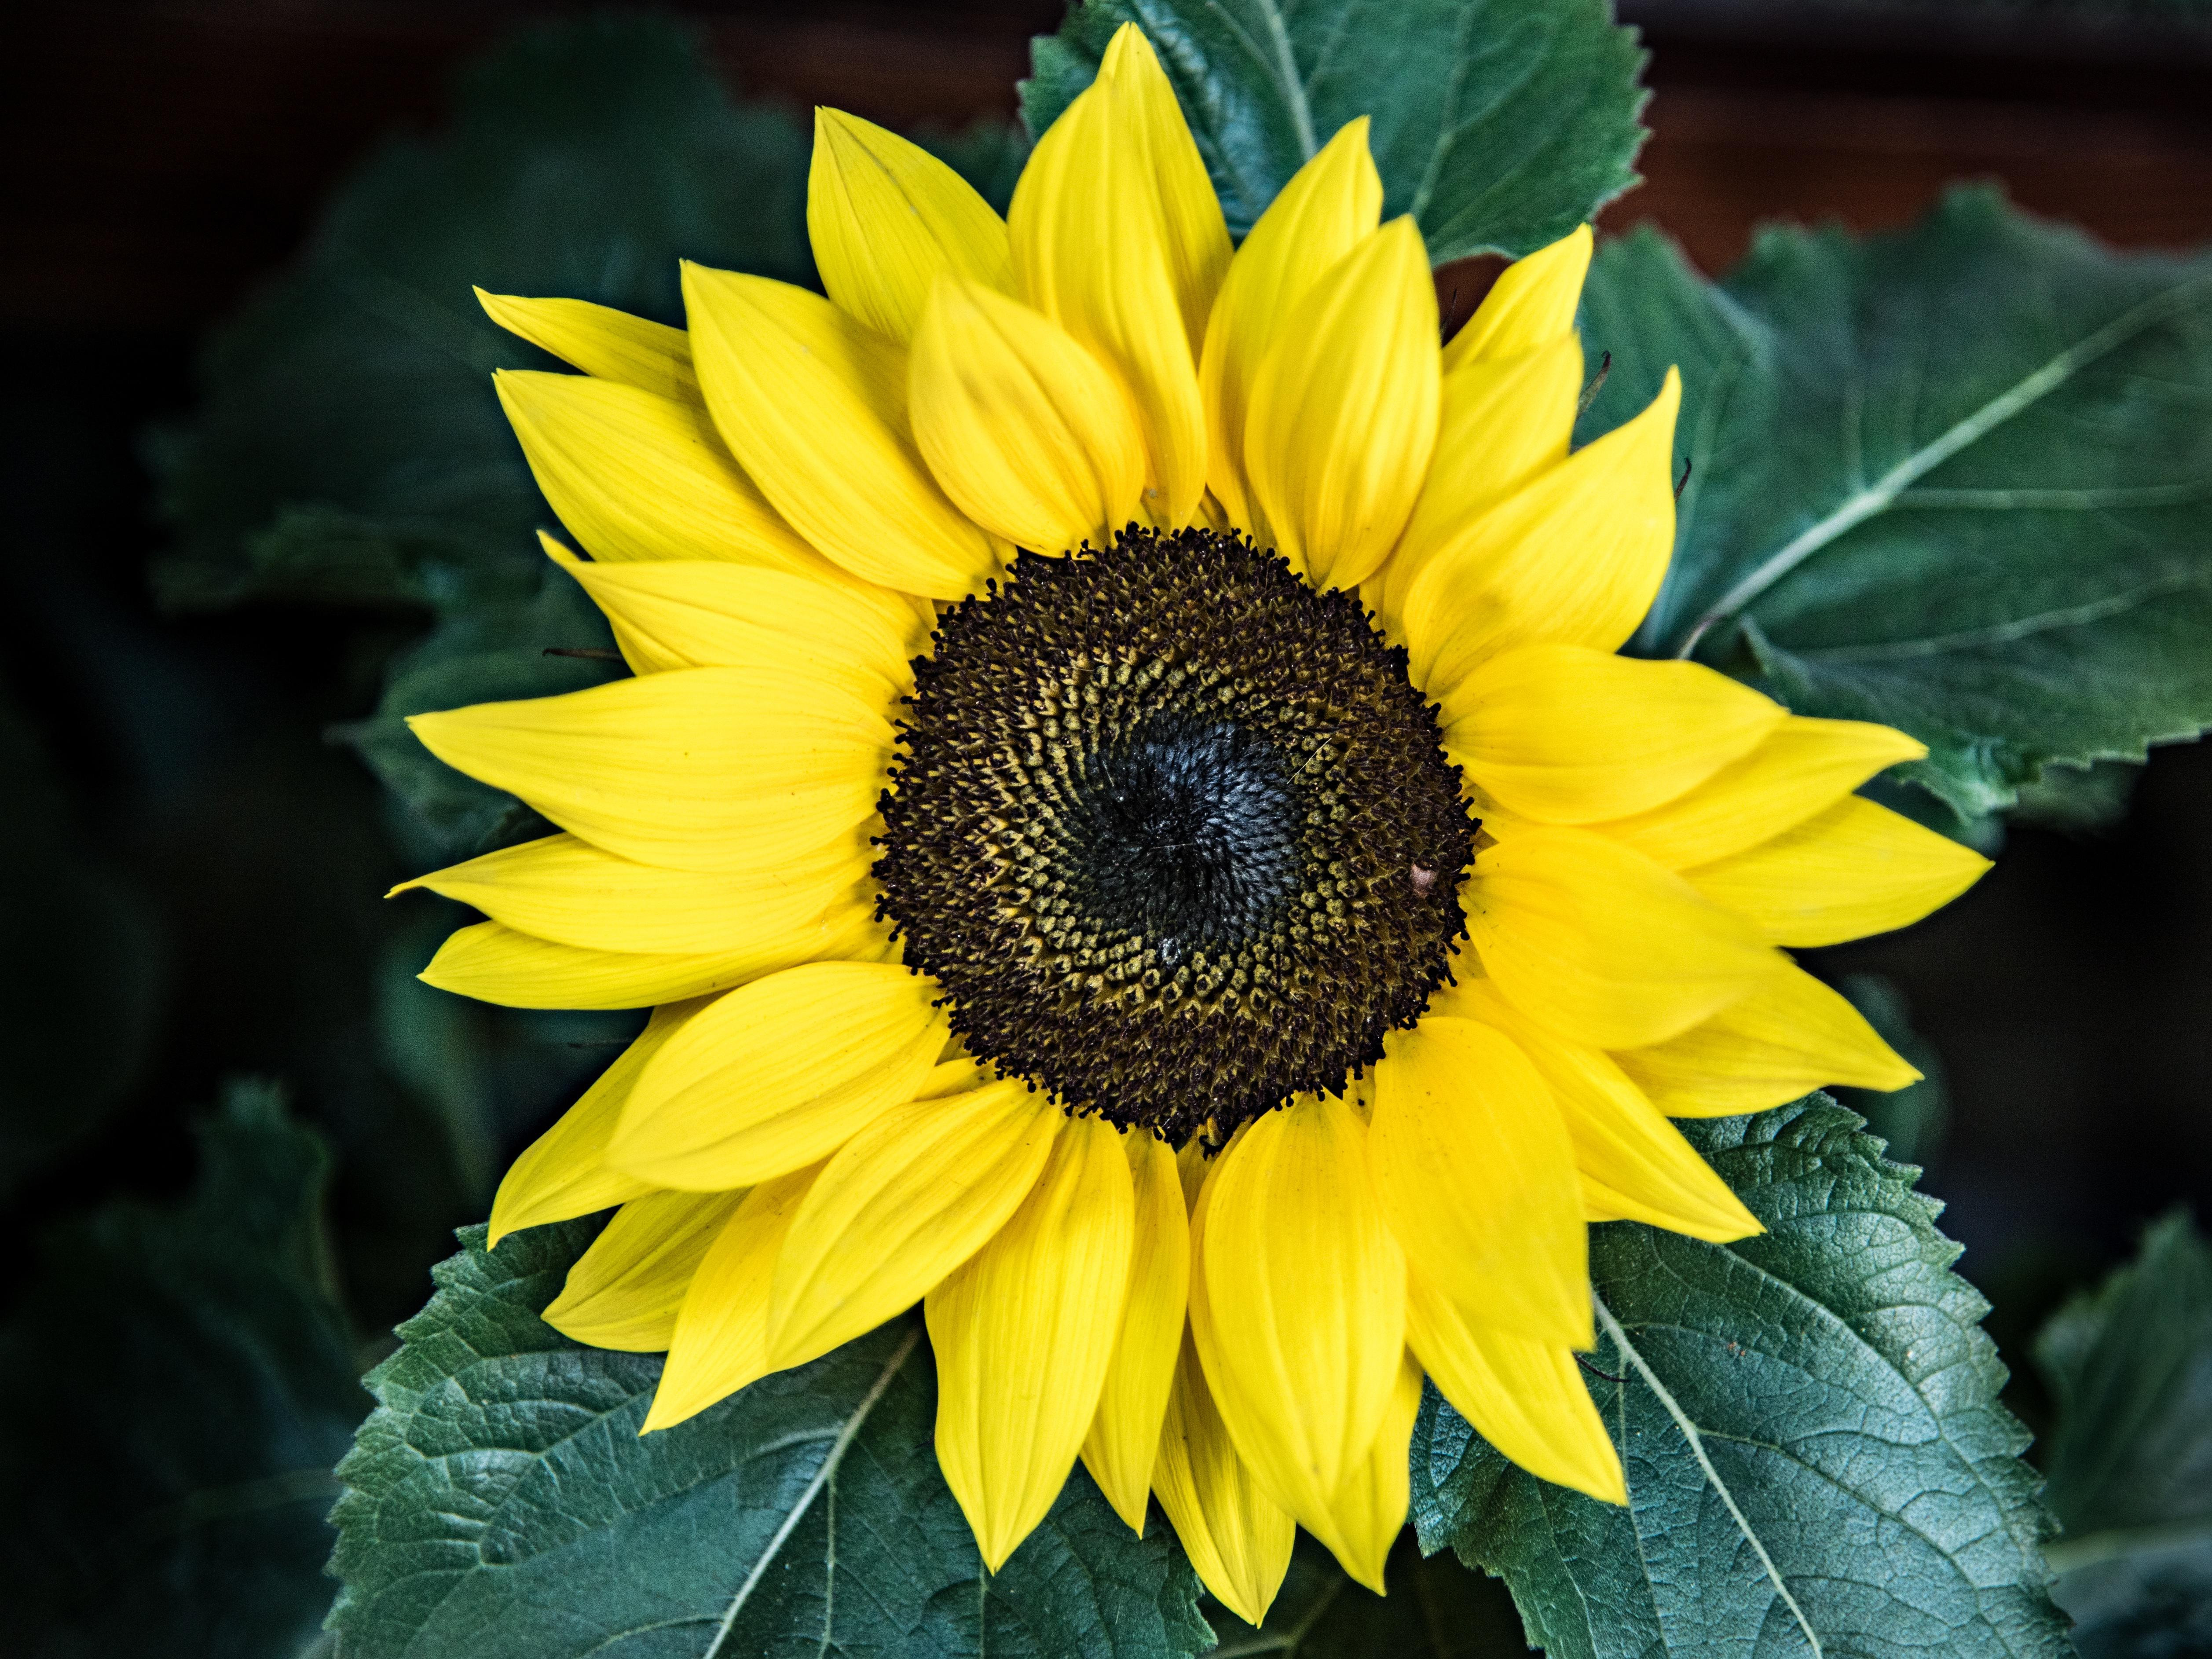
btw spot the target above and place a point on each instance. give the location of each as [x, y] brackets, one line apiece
[814, 1487]
[1871, 501]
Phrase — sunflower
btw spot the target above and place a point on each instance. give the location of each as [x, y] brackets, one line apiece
[1134, 834]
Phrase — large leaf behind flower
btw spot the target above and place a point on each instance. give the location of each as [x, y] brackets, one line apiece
[503, 1505]
[1500, 125]
[1958, 479]
[1810, 1427]
[178, 1382]
[350, 449]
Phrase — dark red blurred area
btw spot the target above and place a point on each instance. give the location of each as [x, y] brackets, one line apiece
[160, 157]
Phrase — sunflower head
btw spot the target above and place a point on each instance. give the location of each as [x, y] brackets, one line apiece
[1173, 831]
[1135, 836]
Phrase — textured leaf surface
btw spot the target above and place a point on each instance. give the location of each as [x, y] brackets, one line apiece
[2131, 1460]
[1816, 1459]
[1958, 479]
[1500, 125]
[348, 448]
[502, 1505]
[178, 1385]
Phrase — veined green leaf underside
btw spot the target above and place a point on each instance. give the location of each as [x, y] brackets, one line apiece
[1500, 125]
[1817, 1462]
[502, 1505]
[1957, 479]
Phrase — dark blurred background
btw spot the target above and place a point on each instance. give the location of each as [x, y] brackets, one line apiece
[198, 870]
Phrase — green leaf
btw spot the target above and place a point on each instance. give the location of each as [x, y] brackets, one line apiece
[1500, 125]
[348, 448]
[179, 1382]
[1957, 479]
[2130, 1368]
[1816, 1458]
[78, 981]
[502, 1505]
[1436, 1609]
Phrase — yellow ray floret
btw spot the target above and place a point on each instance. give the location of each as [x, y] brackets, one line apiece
[1237, 1537]
[605, 343]
[1330, 205]
[1123, 1442]
[811, 400]
[718, 1341]
[1472, 1165]
[902, 1204]
[1342, 416]
[564, 1172]
[1602, 946]
[640, 477]
[887, 219]
[984, 366]
[1023, 1333]
[1789, 1037]
[625, 1292]
[1298, 1301]
[778, 1075]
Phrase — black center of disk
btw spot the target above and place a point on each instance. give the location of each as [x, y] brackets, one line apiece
[1188, 834]
[1174, 832]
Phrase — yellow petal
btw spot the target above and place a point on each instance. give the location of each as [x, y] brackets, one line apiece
[1792, 1036]
[1856, 869]
[1238, 1539]
[778, 1074]
[623, 1292]
[1564, 734]
[1531, 304]
[718, 1343]
[493, 963]
[1801, 767]
[1367, 1511]
[1302, 1322]
[640, 477]
[1329, 205]
[1634, 1165]
[961, 1075]
[693, 614]
[1124, 1441]
[1343, 413]
[1525, 1396]
[903, 1204]
[1028, 433]
[1600, 945]
[1575, 558]
[1472, 1165]
[813, 405]
[887, 219]
[1117, 237]
[574, 893]
[1501, 422]
[606, 344]
[564, 1172]
[698, 768]
[1197, 236]
[1023, 1331]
